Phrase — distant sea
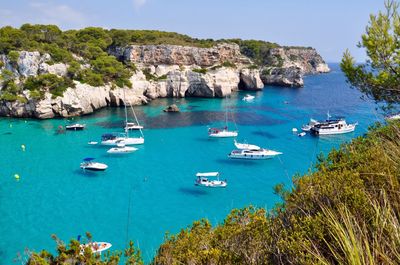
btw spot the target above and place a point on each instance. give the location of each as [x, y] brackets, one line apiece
[147, 193]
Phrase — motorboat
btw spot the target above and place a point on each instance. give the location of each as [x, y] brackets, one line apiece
[89, 164]
[121, 149]
[246, 145]
[302, 134]
[114, 139]
[92, 143]
[210, 179]
[254, 154]
[221, 132]
[248, 98]
[307, 127]
[333, 126]
[75, 127]
[133, 126]
[95, 247]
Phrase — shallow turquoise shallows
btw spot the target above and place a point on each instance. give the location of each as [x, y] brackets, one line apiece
[147, 193]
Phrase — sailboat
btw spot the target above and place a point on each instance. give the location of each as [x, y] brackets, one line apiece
[123, 138]
[222, 132]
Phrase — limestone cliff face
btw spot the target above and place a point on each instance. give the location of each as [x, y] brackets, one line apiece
[287, 66]
[162, 71]
[181, 55]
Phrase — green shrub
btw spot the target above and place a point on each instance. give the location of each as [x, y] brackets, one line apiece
[200, 70]
[48, 82]
[228, 64]
[13, 57]
[7, 96]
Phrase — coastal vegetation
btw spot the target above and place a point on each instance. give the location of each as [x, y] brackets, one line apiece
[378, 78]
[345, 210]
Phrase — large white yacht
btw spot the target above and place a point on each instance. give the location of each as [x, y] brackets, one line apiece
[253, 154]
[333, 126]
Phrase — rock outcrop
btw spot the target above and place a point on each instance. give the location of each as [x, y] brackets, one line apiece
[172, 108]
[162, 71]
[180, 55]
[287, 66]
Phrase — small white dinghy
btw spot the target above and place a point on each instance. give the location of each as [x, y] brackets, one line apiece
[133, 126]
[255, 154]
[246, 145]
[301, 134]
[210, 179]
[95, 247]
[89, 164]
[121, 149]
[248, 98]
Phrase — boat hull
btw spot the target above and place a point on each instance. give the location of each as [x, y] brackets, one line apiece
[124, 141]
[223, 134]
[333, 132]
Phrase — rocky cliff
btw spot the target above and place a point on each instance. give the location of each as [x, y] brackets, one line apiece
[286, 66]
[161, 71]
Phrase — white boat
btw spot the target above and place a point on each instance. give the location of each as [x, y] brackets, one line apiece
[210, 179]
[75, 127]
[246, 145]
[95, 247]
[307, 127]
[221, 133]
[89, 164]
[248, 98]
[302, 134]
[256, 154]
[114, 139]
[92, 143]
[121, 150]
[133, 126]
[333, 126]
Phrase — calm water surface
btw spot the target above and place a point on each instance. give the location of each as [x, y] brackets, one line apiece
[144, 194]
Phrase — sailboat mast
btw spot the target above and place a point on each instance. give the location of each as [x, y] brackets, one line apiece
[136, 120]
[126, 116]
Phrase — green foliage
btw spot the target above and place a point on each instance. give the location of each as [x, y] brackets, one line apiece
[149, 76]
[228, 64]
[74, 253]
[379, 77]
[344, 212]
[48, 82]
[200, 70]
[255, 49]
[13, 56]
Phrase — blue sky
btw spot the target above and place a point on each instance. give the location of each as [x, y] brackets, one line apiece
[329, 26]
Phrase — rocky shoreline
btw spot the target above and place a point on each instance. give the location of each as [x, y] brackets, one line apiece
[161, 71]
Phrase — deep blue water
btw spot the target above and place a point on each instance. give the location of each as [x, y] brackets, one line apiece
[145, 194]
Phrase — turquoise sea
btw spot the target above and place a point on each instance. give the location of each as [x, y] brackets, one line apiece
[147, 193]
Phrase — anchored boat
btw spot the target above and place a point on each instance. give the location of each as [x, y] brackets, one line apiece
[253, 154]
[75, 127]
[121, 149]
[248, 98]
[89, 164]
[95, 247]
[334, 126]
[210, 179]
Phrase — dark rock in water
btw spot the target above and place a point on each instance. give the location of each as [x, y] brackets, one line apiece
[172, 108]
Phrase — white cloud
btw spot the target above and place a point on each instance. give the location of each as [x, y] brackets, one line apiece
[139, 3]
[60, 14]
